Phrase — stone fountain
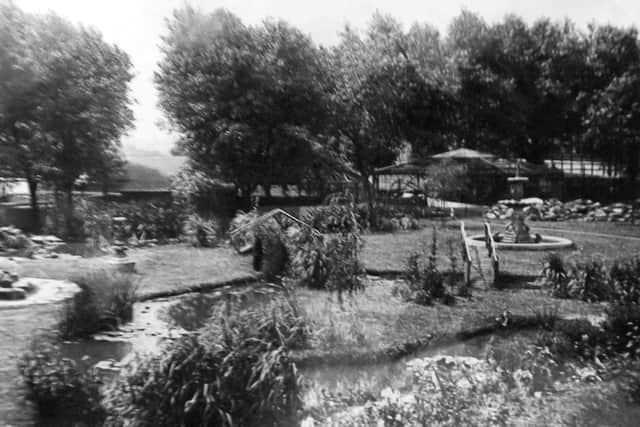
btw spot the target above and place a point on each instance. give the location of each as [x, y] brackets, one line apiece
[517, 234]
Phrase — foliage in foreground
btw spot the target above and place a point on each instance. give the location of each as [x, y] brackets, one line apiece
[58, 388]
[426, 283]
[235, 371]
[105, 301]
[330, 262]
[452, 391]
[593, 280]
[201, 232]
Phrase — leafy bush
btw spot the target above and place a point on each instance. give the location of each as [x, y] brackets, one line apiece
[586, 280]
[237, 371]
[445, 392]
[336, 218]
[341, 218]
[426, 282]
[240, 232]
[330, 262]
[58, 388]
[625, 274]
[144, 220]
[270, 252]
[105, 301]
[623, 329]
[200, 231]
[574, 337]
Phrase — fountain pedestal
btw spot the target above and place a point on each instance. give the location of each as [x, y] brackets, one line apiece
[517, 231]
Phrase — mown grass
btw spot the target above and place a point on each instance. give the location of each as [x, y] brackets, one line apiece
[389, 251]
[159, 269]
[375, 319]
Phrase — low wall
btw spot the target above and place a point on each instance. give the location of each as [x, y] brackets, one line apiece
[18, 215]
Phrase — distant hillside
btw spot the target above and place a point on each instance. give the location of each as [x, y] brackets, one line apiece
[142, 178]
[164, 163]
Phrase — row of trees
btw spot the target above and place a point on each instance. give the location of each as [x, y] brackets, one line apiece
[265, 105]
[64, 102]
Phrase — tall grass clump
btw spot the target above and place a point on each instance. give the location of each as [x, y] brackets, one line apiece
[235, 372]
[271, 254]
[592, 279]
[426, 283]
[201, 232]
[329, 262]
[58, 389]
[625, 275]
[105, 302]
[587, 280]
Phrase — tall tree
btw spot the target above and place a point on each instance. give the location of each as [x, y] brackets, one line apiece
[515, 87]
[613, 60]
[381, 99]
[246, 100]
[64, 101]
[84, 100]
[24, 148]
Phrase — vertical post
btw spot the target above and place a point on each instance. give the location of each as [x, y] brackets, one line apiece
[466, 256]
[492, 252]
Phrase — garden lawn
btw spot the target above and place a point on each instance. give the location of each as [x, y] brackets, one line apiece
[376, 320]
[390, 251]
[168, 268]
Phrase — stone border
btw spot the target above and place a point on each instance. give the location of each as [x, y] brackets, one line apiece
[552, 242]
[200, 287]
[47, 291]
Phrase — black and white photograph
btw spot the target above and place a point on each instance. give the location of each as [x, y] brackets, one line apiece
[292, 213]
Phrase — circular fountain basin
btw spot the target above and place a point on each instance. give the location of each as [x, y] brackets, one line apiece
[548, 243]
[41, 291]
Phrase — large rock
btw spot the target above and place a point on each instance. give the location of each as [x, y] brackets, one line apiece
[6, 279]
[12, 294]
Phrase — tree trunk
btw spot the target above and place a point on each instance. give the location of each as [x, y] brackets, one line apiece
[33, 198]
[633, 167]
[69, 212]
[368, 190]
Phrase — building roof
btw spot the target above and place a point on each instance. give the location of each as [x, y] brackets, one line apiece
[463, 153]
[476, 162]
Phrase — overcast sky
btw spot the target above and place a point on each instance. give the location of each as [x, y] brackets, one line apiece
[136, 26]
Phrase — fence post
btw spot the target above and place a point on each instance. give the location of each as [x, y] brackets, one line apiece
[466, 256]
[492, 251]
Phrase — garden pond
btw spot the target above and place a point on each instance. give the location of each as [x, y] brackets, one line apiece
[161, 319]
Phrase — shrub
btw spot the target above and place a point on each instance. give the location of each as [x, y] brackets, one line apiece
[554, 275]
[58, 388]
[336, 218]
[200, 231]
[105, 301]
[586, 280]
[592, 281]
[574, 337]
[327, 262]
[270, 251]
[426, 282]
[623, 329]
[144, 220]
[239, 231]
[625, 274]
[237, 371]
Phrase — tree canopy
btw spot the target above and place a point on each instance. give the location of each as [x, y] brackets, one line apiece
[250, 102]
[64, 100]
